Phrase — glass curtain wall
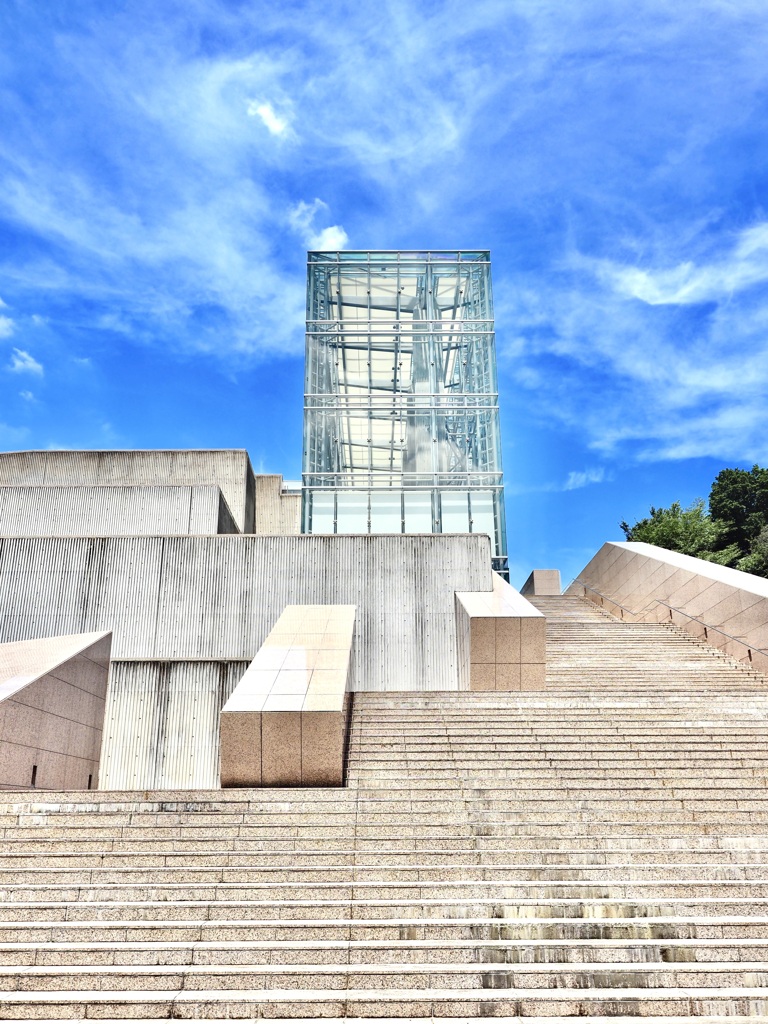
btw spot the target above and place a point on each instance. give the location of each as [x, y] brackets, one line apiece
[401, 416]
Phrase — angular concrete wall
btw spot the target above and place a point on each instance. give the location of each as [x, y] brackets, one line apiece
[713, 602]
[114, 511]
[230, 470]
[52, 699]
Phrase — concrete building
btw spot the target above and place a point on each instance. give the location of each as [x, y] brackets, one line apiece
[189, 560]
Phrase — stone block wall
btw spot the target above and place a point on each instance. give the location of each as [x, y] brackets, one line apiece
[501, 640]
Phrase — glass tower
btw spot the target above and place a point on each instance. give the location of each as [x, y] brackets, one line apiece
[401, 414]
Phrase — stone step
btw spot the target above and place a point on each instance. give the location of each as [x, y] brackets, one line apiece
[588, 895]
[401, 951]
[482, 839]
[392, 977]
[737, 916]
[169, 891]
[382, 1003]
[497, 868]
[532, 919]
[468, 873]
[598, 848]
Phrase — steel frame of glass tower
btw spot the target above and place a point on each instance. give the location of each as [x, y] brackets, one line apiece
[401, 414]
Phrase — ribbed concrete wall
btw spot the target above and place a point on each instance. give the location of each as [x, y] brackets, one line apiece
[228, 469]
[187, 600]
[190, 598]
[161, 724]
[113, 511]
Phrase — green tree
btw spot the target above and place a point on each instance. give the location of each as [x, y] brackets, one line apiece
[756, 561]
[733, 532]
[738, 501]
[688, 530]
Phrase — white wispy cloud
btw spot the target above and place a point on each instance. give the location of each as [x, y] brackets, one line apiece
[23, 362]
[745, 265]
[274, 123]
[583, 478]
[28, 396]
[7, 327]
[302, 219]
[575, 480]
[12, 437]
[522, 128]
[333, 237]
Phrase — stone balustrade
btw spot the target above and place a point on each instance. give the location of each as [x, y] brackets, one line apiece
[641, 582]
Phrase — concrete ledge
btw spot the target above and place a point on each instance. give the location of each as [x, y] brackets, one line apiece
[641, 582]
[286, 722]
[501, 640]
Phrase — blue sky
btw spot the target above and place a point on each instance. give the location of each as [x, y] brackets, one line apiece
[165, 166]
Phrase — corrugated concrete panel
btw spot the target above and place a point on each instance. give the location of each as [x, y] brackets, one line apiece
[277, 513]
[161, 724]
[229, 469]
[113, 511]
[189, 598]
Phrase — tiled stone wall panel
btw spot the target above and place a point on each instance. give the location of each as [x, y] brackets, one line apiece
[637, 575]
[55, 721]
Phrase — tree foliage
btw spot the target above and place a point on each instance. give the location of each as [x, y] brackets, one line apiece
[739, 502]
[689, 530]
[732, 531]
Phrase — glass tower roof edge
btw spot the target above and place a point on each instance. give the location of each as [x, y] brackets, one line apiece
[397, 255]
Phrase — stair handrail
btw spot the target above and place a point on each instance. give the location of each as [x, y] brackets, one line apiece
[603, 597]
[707, 626]
[673, 608]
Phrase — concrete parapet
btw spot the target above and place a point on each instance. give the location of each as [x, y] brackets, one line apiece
[286, 722]
[501, 640]
[114, 510]
[542, 583]
[641, 582]
[229, 469]
[52, 698]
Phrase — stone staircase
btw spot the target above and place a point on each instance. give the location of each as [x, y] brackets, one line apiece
[598, 849]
